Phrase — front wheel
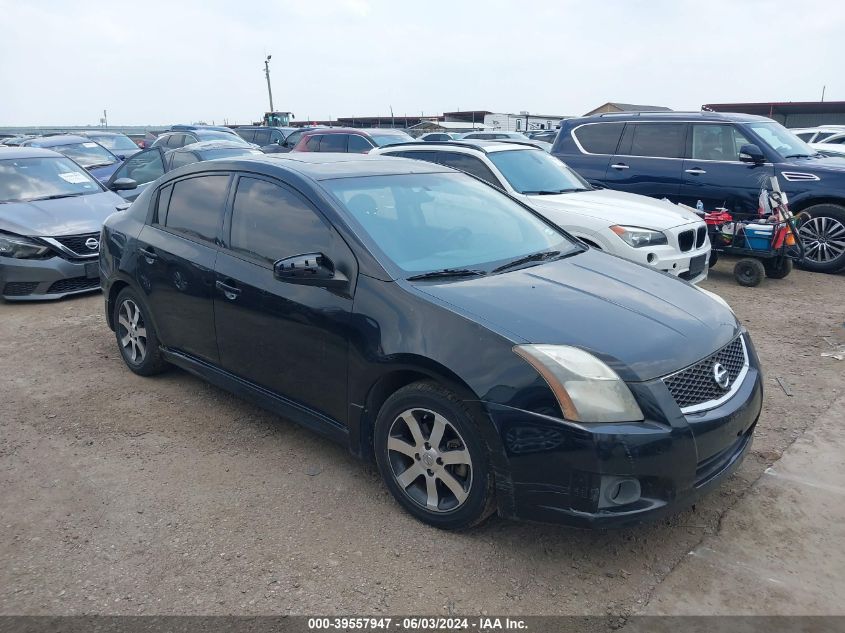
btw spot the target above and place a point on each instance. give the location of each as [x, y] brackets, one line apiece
[823, 235]
[431, 457]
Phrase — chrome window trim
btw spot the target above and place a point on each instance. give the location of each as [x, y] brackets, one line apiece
[712, 404]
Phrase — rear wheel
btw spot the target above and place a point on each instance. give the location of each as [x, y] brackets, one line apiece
[136, 336]
[749, 272]
[777, 267]
[823, 236]
[431, 457]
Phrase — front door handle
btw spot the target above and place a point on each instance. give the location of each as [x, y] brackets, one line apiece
[696, 171]
[620, 166]
[148, 254]
[230, 292]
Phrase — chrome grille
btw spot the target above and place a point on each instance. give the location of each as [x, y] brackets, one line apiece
[695, 387]
[76, 243]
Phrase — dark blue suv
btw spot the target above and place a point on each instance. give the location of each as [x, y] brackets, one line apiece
[721, 159]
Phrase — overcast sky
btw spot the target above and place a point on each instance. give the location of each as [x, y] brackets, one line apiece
[155, 62]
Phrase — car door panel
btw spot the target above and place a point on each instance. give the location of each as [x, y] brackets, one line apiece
[290, 339]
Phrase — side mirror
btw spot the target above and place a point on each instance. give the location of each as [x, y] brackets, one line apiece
[751, 154]
[124, 184]
[312, 269]
[121, 156]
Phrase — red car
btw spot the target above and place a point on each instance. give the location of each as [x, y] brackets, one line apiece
[349, 140]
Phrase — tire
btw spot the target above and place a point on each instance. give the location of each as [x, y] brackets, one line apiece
[823, 236]
[454, 495]
[714, 257]
[777, 268]
[136, 336]
[749, 272]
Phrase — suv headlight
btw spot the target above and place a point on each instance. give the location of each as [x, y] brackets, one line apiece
[586, 389]
[638, 238]
[20, 247]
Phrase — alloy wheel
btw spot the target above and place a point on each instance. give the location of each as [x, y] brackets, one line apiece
[429, 460]
[132, 331]
[823, 239]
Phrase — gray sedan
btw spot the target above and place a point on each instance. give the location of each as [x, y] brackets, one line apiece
[51, 214]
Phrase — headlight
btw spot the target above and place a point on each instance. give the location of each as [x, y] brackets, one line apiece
[638, 238]
[20, 247]
[586, 389]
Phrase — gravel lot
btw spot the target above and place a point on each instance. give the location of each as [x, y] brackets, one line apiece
[124, 495]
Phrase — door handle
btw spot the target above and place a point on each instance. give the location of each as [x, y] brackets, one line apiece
[620, 166]
[697, 171]
[230, 292]
[149, 255]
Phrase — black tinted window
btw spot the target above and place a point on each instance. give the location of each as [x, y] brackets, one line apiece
[599, 138]
[143, 167]
[468, 164]
[272, 223]
[312, 143]
[358, 144]
[428, 156]
[658, 140]
[196, 206]
[262, 137]
[246, 135]
[333, 143]
[175, 140]
[177, 159]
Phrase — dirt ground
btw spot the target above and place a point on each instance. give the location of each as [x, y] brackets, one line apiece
[125, 495]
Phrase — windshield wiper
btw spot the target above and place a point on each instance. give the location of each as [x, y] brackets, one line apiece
[797, 156]
[533, 257]
[552, 192]
[55, 196]
[94, 166]
[448, 272]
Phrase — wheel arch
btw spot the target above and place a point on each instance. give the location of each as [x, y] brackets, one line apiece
[804, 203]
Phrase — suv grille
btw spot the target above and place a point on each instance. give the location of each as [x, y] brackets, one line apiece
[686, 240]
[701, 235]
[696, 385]
[76, 243]
[73, 284]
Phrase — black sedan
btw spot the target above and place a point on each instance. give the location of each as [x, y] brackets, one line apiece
[486, 360]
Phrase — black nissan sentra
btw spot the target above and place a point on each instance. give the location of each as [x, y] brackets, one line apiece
[486, 360]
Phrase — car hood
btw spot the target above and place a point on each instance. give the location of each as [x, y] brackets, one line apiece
[617, 207]
[65, 216]
[835, 164]
[641, 322]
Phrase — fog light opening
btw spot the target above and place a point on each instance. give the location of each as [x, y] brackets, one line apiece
[651, 258]
[620, 491]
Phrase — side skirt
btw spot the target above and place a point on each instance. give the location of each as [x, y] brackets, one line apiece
[262, 397]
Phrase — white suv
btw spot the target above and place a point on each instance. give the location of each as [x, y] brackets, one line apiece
[656, 233]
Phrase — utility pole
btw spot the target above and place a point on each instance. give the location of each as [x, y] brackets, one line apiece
[823, 89]
[267, 74]
[392, 118]
[106, 117]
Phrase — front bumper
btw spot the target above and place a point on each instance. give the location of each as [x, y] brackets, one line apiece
[43, 279]
[561, 472]
[669, 259]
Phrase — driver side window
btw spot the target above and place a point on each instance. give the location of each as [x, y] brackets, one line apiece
[143, 167]
[716, 142]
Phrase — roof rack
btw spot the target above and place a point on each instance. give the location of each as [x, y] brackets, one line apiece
[661, 113]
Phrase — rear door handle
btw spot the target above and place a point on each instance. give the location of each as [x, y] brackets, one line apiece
[620, 166]
[230, 292]
[149, 255]
[697, 171]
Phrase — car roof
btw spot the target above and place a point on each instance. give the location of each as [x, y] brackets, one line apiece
[481, 146]
[60, 139]
[209, 145]
[324, 166]
[669, 116]
[28, 152]
[366, 131]
[96, 133]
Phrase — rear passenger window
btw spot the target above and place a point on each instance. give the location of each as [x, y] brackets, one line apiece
[246, 135]
[270, 222]
[333, 143]
[175, 140]
[262, 137]
[470, 165]
[358, 144]
[312, 143]
[196, 207]
[599, 138]
[657, 140]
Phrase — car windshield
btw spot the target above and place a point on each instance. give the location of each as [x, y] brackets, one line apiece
[215, 135]
[26, 179]
[536, 172]
[87, 154]
[115, 143]
[228, 152]
[432, 222]
[782, 140]
[390, 139]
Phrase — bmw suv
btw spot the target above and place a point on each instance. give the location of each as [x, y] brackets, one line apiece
[721, 159]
